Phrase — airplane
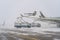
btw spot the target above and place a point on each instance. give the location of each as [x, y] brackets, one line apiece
[25, 23]
[49, 19]
[41, 17]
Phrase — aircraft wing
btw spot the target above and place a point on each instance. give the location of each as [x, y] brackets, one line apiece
[57, 20]
[51, 19]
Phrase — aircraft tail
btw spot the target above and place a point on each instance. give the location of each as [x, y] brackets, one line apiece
[34, 13]
[41, 15]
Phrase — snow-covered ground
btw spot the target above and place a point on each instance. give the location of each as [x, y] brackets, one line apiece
[32, 30]
[45, 26]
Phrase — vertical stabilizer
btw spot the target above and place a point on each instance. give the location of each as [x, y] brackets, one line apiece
[34, 13]
[41, 14]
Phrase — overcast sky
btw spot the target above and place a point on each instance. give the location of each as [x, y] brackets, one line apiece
[10, 9]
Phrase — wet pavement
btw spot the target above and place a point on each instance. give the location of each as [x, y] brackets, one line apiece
[24, 35]
[5, 36]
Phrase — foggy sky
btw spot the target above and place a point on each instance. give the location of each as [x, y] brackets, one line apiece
[10, 9]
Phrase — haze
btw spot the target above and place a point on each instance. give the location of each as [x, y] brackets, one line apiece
[10, 9]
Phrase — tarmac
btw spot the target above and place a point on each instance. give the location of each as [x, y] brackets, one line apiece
[7, 34]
